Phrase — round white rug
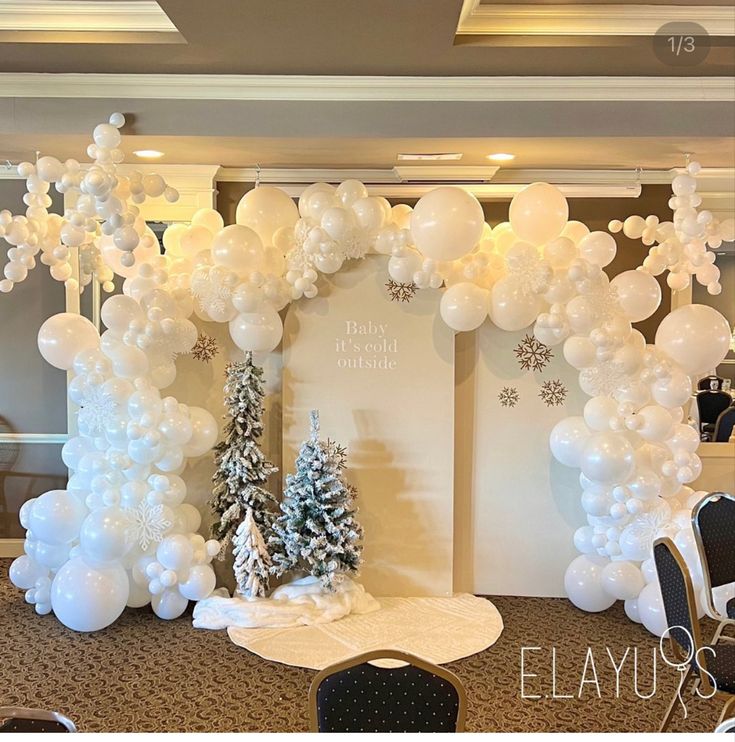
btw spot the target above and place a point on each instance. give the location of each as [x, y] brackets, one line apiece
[438, 630]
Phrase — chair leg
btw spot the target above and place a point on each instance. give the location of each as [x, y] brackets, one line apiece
[720, 636]
[675, 699]
[729, 704]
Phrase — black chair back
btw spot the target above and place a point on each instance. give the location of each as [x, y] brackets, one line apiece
[713, 520]
[724, 425]
[678, 597]
[356, 696]
[14, 719]
[711, 404]
[706, 384]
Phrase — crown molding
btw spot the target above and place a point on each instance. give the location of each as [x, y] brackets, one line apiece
[477, 19]
[360, 88]
[89, 16]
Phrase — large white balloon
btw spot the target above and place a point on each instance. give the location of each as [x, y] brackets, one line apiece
[56, 517]
[598, 248]
[119, 311]
[568, 439]
[104, 534]
[511, 306]
[64, 335]
[204, 432]
[583, 584]
[651, 609]
[266, 210]
[447, 223]
[696, 336]
[257, 331]
[638, 293]
[538, 213]
[238, 248]
[24, 571]
[623, 580]
[87, 598]
[169, 604]
[464, 306]
[607, 458]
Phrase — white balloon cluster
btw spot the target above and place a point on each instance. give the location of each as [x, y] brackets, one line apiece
[123, 532]
[85, 545]
[680, 246]
[101, 222]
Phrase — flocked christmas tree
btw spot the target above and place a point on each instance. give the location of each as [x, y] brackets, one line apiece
[317, 531]
[242, 468]
[252, 560]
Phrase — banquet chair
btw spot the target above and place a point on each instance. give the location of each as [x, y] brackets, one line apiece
[713, 665]
[18, 719]
[726, 726]
[724, 425]
[713, 523]
[710, 405]
[357, 696]
[706, 383]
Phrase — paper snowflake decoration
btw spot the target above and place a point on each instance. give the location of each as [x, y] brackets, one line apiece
[148, 524]
[210, 291]
[531, 272]
[508, 396]
[337, 452]
[553, 393]
[603, 379]
[604, 303]
[533, 355]
[96, 409]
[400, 291]
[205, 348]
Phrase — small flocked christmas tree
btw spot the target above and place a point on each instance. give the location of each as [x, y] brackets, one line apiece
[317, 530]
[252, 561]
[242, 468]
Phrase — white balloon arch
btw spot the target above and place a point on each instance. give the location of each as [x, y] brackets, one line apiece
[122, 533]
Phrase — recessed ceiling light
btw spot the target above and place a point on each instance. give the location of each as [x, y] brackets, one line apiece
[501, 157]
[431, 156]
[152, 153]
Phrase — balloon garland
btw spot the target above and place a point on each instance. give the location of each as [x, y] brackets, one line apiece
[123, 533]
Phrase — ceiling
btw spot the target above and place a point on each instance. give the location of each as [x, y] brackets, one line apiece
[623, 122]
[354, 37]
[618, 153]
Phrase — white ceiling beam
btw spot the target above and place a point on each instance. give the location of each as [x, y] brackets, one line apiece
[93, 16]
[361, 88]
[589, 20]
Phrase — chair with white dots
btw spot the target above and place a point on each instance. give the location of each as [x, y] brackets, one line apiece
[358, 696]
[17, 719]
[713, 522]
[714, 664]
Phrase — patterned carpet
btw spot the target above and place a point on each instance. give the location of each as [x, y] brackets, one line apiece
[147, 675]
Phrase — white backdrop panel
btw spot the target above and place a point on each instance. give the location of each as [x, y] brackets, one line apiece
[382, 376]
[525, 505]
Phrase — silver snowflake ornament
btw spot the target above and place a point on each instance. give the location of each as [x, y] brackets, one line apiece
[553, 393]
[148, 524]
[533, 355]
